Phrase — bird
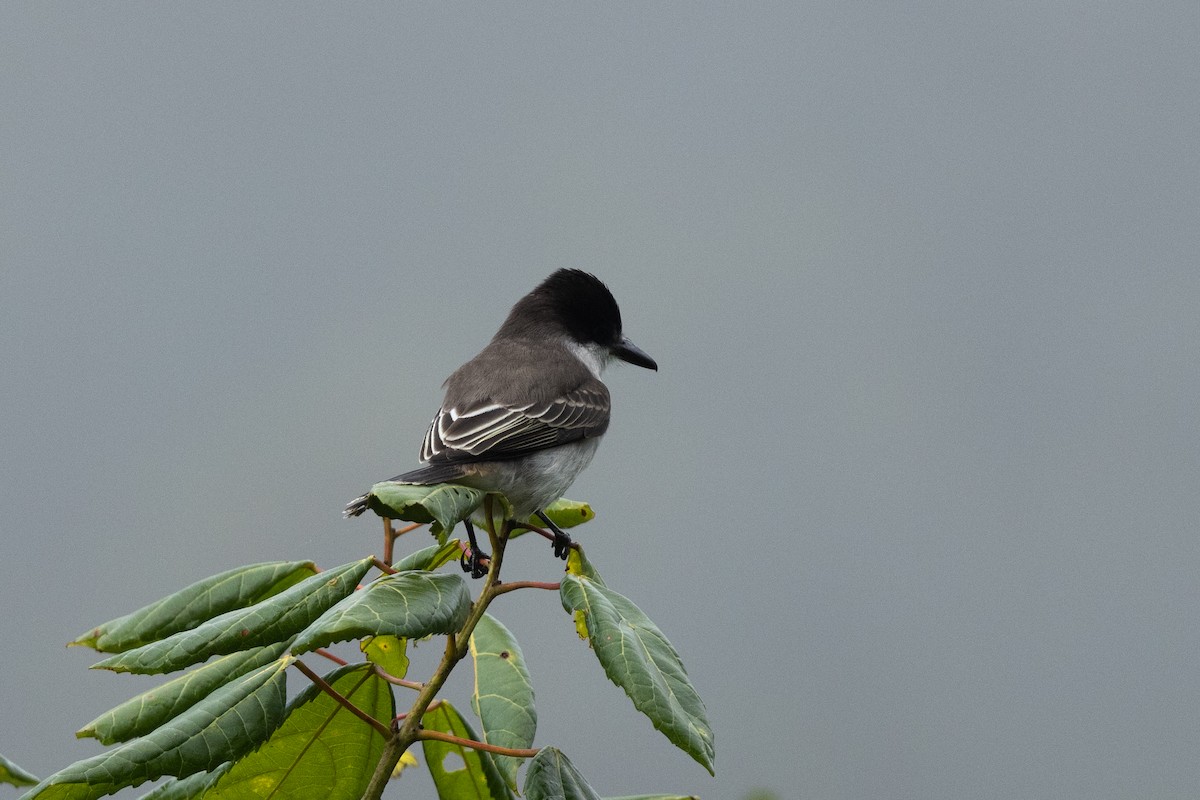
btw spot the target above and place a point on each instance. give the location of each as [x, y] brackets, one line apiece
[524, 417]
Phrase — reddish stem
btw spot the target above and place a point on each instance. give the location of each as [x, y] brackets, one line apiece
[438, 736]
[509, 587]
[384, 730]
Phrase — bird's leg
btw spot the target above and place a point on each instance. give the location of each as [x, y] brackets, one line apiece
[473, 562]
[562, 542]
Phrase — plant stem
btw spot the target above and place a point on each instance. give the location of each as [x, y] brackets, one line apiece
[389, 539]
[397, 681]
[408, 732]
[321, 651]
[510, 587]
[438, 736]
[384, 730]
[385, 566]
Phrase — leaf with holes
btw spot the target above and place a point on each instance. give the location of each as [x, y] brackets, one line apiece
[203, 600]
[273, 620]
[459, 771]
[503, 696]
[408, 604]
[637, 657]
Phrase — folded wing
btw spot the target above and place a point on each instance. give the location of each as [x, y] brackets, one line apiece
[492, 431]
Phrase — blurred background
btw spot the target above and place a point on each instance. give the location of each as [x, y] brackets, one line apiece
[914, 492]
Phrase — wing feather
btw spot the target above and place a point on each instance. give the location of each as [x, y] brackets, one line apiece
[491, 431]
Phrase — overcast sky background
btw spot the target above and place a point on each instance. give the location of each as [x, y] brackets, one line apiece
[914, 492]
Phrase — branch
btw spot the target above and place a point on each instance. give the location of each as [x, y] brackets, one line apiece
[390, 535]
[321, 651]
[457, 645]
[390, 678]
[389, 539]
[512, 587]
[438, 736]
[384, 730]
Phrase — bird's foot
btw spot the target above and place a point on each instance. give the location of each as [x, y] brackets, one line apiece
[561, 541]
[475, 561]
[561, 544]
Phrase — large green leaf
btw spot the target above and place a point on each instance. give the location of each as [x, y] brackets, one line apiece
[322, 751]
[443, 504]
[235, 588]
[503, 696]
[408, 604]
[225, 726]
[552, 776]
[142, 714]
[459, 773]
[637, 657]
[273, 620]
[11, 773]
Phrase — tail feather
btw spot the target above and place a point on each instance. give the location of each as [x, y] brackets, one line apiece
[422, 476]
[356, 506]
[432, 473]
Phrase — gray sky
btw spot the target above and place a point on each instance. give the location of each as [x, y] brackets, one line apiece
[914, 493]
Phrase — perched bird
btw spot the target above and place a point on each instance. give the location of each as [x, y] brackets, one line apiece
[524, 417]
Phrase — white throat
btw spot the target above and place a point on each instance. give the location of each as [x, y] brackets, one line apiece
[594, 356]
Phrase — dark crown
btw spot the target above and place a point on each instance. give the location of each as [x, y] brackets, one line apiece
[577, 300]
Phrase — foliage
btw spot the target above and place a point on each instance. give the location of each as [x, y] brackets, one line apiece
[224, 729]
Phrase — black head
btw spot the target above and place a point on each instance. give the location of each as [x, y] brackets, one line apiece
[577, 303]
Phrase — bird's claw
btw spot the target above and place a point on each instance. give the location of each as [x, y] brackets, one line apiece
[562, 544]
[472, 561]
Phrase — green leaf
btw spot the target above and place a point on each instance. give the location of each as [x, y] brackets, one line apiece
[227, 725]
[192, 787]
[655, 797]
[443, 504]
[273, 620]
[637, 657]
[235, 588]
[11, 773]
[459, 772]
[389, 653]
[578, 564]
[430, 558]
[142, 714]
[322, 751]
[503, 696]
[408, 604]
[551, 776]
[562, 512]
[567, 513]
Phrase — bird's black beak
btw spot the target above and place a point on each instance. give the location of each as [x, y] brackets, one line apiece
[631, 353]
